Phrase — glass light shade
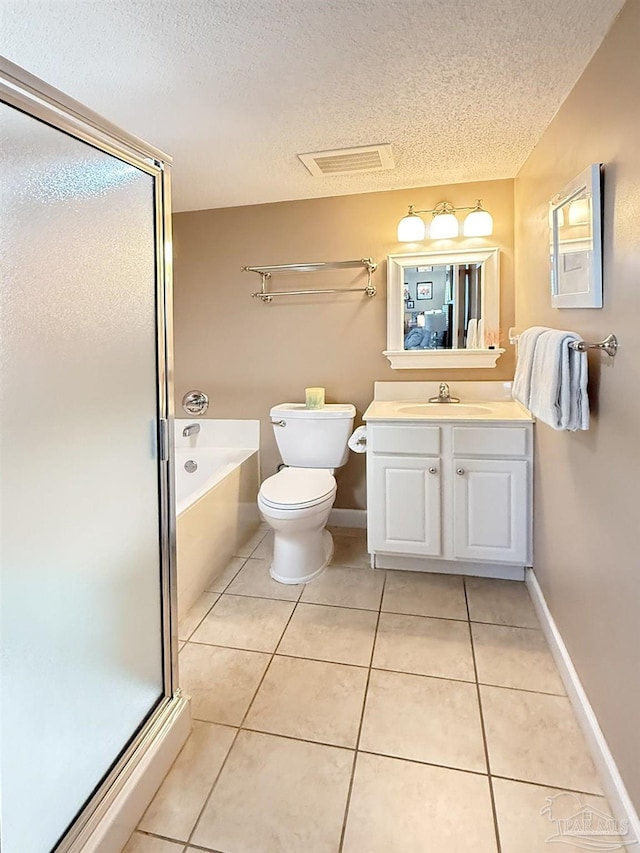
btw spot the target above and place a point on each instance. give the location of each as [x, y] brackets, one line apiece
[411, 229]
[443, 226]
[579, 211]
[479, 223]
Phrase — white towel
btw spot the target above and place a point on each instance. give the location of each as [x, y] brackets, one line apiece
[559, 382]
[472, 332]
[524, 365]
[358, 440]
[480, 334]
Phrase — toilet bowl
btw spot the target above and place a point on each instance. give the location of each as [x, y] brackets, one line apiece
[296, 503]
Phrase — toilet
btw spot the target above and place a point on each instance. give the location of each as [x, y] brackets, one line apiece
[296, 501]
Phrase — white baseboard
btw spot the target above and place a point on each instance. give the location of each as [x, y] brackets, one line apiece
[614, 787]
[348, 518]
[109, 829]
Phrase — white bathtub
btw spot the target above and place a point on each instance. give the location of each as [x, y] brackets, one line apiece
[216, 503]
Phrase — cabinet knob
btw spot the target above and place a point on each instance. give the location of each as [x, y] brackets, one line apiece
[460, 471]
[433, 470]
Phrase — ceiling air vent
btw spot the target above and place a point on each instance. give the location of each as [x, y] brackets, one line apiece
[342, 161]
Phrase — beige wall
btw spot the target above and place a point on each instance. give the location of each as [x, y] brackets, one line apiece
[587, 485]
[249, 356]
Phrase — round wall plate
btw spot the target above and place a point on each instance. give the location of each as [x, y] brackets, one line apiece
[195, 402]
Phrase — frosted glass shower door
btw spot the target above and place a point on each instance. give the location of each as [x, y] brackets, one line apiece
[81, 485]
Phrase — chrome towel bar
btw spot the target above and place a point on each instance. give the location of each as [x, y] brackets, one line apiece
[266, 272]
[609, 344]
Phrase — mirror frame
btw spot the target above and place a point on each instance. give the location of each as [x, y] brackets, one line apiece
[402, 359]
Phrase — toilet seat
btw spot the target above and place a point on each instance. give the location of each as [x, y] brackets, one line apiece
[297, 488]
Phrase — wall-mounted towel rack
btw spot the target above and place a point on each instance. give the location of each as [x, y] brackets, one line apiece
[609, 344]
[267, 271]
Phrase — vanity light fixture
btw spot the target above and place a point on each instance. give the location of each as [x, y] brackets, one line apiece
[580, 211]
[444, 225]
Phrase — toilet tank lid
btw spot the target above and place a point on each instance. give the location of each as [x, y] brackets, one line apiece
[299, 410]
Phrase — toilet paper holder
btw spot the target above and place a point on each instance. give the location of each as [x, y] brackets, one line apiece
[358, 440]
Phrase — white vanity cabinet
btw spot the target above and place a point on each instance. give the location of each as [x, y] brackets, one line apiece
[457, 494]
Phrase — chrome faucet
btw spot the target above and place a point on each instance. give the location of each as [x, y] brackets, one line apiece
[192, 429]
[444, 395]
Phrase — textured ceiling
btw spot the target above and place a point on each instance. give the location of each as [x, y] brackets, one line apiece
[234, 89]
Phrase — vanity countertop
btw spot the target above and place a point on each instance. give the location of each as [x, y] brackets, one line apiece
[506, 411]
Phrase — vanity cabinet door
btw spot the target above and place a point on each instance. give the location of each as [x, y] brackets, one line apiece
[490, 510]
[404, 506]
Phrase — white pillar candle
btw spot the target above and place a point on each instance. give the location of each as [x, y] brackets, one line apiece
[314, 398]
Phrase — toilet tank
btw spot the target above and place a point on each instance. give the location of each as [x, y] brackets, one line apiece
[313, 438]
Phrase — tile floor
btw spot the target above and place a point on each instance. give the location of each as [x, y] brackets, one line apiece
[368, 712]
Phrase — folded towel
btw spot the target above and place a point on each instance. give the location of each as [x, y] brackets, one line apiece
[472, 334]
[414, 337]
[524, 366]
[480, 334]
[559, 382]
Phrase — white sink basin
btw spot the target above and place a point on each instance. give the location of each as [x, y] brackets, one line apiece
[445, 409]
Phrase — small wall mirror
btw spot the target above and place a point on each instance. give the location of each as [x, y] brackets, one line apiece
[576, 242]
[443, 309]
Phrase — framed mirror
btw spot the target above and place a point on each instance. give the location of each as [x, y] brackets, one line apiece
[443, 309]
[576, 242]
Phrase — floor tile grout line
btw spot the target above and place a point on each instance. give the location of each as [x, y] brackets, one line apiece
[360, 750]
[226, 587]
[185, 844]
[296, 600]
[159, 835]
[297, 738]
[506, 625]
[420, 763]
[375, 609]
[547, 785]
[268, 667]
[211, 789]
[364, 705]
[483, 729]
[261, 597]
[366, 666]
[208, 611]
[522, 689]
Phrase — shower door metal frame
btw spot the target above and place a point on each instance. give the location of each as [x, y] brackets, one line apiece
[36, 98]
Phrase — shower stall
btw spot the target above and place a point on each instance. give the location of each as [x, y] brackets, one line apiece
[90, 702]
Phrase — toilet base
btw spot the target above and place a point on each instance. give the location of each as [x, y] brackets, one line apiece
[302, 558]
